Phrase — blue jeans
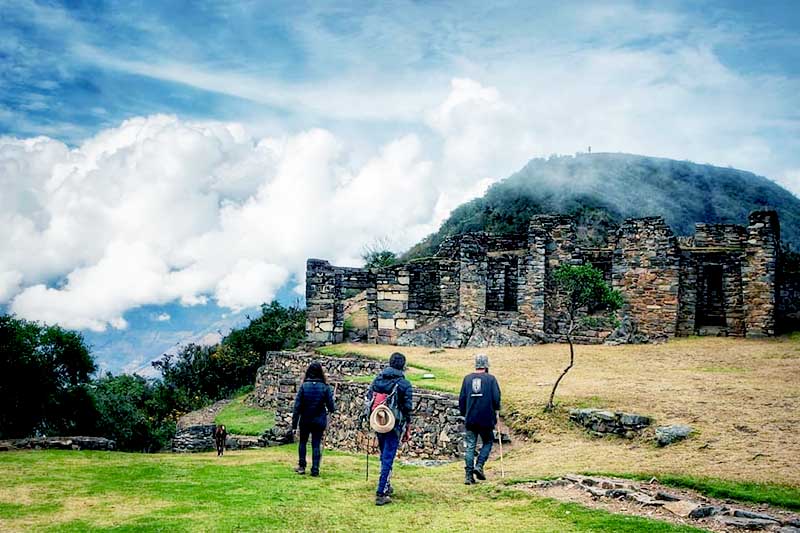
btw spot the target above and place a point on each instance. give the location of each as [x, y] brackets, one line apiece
[388, 444]
[316, 446]
[471, 440]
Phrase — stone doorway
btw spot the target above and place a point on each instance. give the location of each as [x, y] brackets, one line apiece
[710, 297]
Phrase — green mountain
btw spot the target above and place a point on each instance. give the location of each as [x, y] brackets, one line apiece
[602, 189]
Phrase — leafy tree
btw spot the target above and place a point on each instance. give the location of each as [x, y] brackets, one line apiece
[581, 288]
[45, 370]
[378, 255]
[198, 375]
[137, 413]
[379, 259]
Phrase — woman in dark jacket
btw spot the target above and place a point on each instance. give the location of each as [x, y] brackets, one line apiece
[312, 404]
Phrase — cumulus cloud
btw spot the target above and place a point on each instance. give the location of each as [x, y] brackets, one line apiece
[161, 209]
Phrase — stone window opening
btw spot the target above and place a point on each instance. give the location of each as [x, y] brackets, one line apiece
[424, 292]
[501, 285]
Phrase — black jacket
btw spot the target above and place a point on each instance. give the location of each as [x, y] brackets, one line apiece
[385, 382]
[312, 404]
[479, 400]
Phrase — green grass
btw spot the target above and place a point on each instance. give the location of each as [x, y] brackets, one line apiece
[256, 490]
[745, 491]
[338, 350]
[443, 382]
[241, 419]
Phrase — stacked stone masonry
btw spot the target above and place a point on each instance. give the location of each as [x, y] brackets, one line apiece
[437, 429]
[726, 280]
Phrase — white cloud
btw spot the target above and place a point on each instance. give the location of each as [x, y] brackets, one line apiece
[162, 209]
[163, 317]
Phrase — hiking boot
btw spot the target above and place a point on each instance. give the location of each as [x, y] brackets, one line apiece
[383, 499]
[479, 473]
[468, 479]
[315, 473]
[300, 470]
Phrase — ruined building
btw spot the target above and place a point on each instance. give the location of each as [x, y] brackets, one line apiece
[724, 280]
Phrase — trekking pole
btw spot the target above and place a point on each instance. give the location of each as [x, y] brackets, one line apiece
[368, 443]
[502, 469]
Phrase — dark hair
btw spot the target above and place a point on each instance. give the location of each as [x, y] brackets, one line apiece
[315, 372]
[398, 361]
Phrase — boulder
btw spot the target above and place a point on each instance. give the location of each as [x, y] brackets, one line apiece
[626, 333]
[600, 421]
[744, 523]
[666, 435]
[460, 332]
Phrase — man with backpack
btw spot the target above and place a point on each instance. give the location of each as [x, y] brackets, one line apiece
[388, 403]
[478, 402]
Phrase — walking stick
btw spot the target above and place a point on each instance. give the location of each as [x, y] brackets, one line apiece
[368, 457]
[502, 470]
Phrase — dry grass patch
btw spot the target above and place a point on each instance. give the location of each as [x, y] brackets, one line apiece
[741, 396]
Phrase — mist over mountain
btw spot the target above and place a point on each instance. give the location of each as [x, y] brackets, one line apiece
[602, 189]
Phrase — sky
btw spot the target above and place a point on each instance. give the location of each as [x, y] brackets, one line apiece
[166, 167]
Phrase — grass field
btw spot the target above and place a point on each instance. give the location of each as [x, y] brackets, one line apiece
[742, 397]
[241, 419]
[256, 490]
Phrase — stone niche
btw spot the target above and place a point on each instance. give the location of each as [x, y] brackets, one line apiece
[726, 279]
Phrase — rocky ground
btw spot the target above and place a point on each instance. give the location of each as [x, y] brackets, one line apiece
[653, 500]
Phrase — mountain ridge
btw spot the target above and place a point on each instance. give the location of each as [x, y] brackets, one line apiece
[602, 189]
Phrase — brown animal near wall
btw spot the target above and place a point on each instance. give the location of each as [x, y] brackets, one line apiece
[725, 280]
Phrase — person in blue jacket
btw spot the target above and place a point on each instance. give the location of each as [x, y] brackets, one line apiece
[478, 402]
[312, 404]
[392, 381]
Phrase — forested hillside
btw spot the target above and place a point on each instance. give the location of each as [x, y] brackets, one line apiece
[602, 189]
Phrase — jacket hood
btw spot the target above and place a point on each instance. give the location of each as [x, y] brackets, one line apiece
[391, 373]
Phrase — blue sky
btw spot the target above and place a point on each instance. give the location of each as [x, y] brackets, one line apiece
[183, 159]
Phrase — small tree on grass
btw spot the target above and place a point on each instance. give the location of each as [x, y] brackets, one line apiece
[582, 289]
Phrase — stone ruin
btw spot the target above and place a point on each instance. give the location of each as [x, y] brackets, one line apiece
[437, 431]
[480, 289]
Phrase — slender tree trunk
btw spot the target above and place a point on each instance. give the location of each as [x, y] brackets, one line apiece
[550, 406]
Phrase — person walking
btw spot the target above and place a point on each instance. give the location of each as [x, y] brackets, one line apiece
[220, 434]
[478, 402]
[312, 404]
[390, 389]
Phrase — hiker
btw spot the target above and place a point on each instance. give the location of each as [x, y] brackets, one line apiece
[389, 405]
[220, 434]
[478, 402]
[312, 404]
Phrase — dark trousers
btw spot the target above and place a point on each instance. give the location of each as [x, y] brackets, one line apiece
[220, 446]
[316, 433]
[471, 440]
[388, 444]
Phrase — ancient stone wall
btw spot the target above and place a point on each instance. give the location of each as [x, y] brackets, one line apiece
[472, 275]
[759, 273]
[724, 280]
[646, 271]
[437, 430]
[58, 443]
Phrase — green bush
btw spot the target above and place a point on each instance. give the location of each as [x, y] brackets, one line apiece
[138, 414]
